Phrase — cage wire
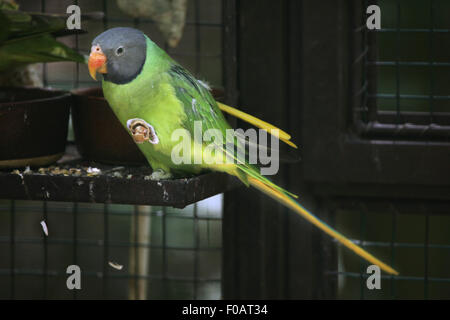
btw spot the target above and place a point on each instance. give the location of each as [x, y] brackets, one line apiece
[124, 251]
[399, 85]
[404, 66]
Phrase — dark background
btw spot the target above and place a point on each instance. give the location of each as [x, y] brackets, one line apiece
[370, 111]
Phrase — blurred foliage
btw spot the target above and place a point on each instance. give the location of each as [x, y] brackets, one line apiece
[28, 38]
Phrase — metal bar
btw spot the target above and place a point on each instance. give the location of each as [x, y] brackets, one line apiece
[361, 91]
[172, 53]
[99, 275]
[364, 76]
[404, 204]
[77, 65]
[383, 244]
[372, 75]
[45, 240]
[136, 255]
[426, 246]
[196, 249]
[177, 215]
[208, 232]
[44, 65]
[105, 250]
[360, 28]
[189, 23]
[362, 236]
[407, 130]
[139, 255]
[397, 66]
[105, 208]
[105, 10]
[431, 59]
[392, 246]
[353, 77]
[408, 96]
[387, 277]
[199, 55]
[164, 251]
[197, 39]
[363, 54]
[413, 30]
[12, 249]
[75, 235]
[95, 243]
[409, 63]
[230, 53]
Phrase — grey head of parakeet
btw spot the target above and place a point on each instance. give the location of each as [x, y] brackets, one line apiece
[118, 53]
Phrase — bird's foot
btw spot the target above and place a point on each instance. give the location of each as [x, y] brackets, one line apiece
[160, 174]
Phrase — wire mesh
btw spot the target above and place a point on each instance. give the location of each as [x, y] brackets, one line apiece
[184, 250]
[401, 70]
[165, 253]
[410, 236]
[398, 91]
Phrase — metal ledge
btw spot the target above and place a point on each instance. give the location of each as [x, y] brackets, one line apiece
[72, 180]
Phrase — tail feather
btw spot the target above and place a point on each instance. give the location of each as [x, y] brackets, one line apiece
[277, 132]
[292, 204]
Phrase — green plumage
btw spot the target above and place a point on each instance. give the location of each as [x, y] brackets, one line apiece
[169, 98]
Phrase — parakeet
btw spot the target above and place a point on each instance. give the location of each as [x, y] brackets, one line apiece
[153, 97]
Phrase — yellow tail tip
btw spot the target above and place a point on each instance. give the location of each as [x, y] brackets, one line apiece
[297, 208]
[383, 266]
[280, 134]
[289, 143]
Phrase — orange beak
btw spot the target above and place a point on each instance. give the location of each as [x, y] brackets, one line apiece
[97, 62]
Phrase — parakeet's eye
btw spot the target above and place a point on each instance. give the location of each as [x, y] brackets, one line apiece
[119, 51]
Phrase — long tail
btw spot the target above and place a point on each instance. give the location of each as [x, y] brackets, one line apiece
[277, 132]
[249, 175]
[285, 199]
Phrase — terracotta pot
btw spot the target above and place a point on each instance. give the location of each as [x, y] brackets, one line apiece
[99, 135]
[33, 126]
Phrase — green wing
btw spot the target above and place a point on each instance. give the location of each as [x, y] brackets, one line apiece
[199, 105]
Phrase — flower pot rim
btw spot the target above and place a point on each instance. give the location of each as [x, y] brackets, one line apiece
[59, 94]
[86, 92]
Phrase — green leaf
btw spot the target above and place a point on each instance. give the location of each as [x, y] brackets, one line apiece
[41, 48]
[22, 24]
[8, 4]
